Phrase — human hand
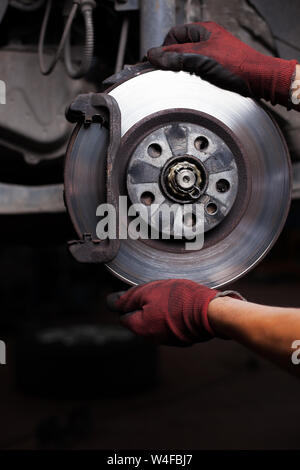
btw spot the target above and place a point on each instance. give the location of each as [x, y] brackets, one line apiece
[210, 51]
[171, 312]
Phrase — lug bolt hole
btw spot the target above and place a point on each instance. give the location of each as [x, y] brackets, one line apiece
[154, 150]
[211, 208]
[147, 198]
[222, 186]
[201, 143]
[189, 220]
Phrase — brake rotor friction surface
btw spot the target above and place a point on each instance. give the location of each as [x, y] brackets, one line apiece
[268, 172]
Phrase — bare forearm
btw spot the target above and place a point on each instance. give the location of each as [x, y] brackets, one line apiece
[269, 331]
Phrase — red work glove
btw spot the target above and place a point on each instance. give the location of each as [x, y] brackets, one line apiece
[210, 51]
[172, 312]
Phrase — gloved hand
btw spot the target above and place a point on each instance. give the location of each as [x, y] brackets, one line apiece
[208, 50]
[172, 312]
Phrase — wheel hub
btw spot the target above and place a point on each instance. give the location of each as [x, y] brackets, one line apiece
[184, 180]
[184, 163]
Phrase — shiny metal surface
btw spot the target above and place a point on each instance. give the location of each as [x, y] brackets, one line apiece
[268, 169]
[270, 172]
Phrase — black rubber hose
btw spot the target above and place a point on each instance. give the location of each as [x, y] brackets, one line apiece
[84, 67]
[47, 69]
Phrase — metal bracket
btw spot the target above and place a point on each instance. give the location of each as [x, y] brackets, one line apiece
[128, 72]
[103, 108]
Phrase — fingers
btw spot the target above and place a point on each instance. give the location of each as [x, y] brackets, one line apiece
[176, 59]
[130, 300]
[131, 320]
[133, 299]
[122, 301]
[194, 32]
[134, 322]
[177, 35]
[187, 38]
[164, 59]
[136, 297]
[112, 299]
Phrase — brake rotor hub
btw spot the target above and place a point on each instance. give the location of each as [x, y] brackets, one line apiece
[184, 163]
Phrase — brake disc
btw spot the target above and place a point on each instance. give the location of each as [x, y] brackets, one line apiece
[186, 139]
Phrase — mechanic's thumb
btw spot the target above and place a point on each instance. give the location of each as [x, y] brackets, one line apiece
[134, 322]
[112, 299]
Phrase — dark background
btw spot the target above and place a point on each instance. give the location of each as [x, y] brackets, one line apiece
[216, 395]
